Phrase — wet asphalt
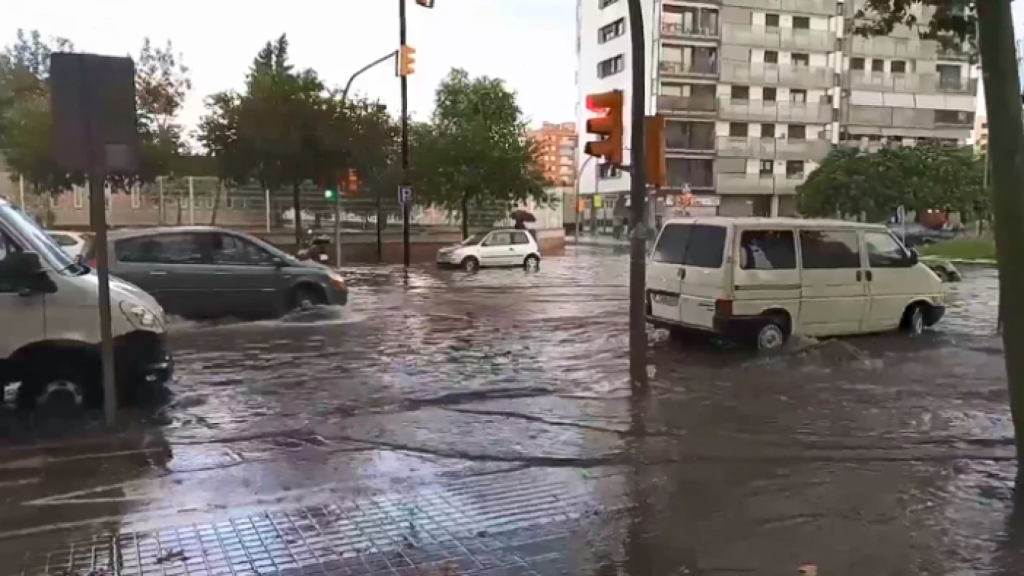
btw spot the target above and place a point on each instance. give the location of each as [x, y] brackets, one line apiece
[496, 406]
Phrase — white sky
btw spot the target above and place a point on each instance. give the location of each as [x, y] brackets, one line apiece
[528, 43]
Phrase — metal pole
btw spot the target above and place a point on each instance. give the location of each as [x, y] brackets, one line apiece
[97, 208]
[405, 136]
[21, 193]
[638, 197]
[576, 201]
[381, 60]
[191, 202]
[380, 228]
[160, 191]
[266, 196]
[337, 226]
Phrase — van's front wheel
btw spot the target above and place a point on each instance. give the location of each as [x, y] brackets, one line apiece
[61, 390]
[914, 320]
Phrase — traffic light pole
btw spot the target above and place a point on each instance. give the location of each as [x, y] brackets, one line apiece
[638, 201]
[405, 137]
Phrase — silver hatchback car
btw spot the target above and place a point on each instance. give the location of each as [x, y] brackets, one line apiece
[209, 272]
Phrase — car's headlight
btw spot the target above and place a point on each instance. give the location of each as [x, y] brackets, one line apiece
[139, 316]
[337, 282]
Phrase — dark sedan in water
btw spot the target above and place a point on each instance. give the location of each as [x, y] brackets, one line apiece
[920, 235]
[209, 272]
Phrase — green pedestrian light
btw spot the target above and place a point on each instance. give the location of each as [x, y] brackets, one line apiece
[329, 194]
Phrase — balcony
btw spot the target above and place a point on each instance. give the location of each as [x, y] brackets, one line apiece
[699, 105]
[772, 148]
[693, 31]
[766, 111]
[955, 54]
[758, 73]
[888, 117]
[779, 38]
[675, 141]
[908, 83]
[756, 184]
[901, 48]
[699, 68]
[820, 7]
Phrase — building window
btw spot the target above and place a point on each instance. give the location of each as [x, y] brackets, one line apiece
[771, 57]
[767, 167]
[611, 66]
[740, 92]
[767, 130]
[801, 60]
[602, 4]
[797, 132]
[769, 94]
[856, 63]
[737, 130]
[798, 96]
[898, 66]
[801, 23]
[771, 20]
[611, 31]
[794, 169]
[878, 65]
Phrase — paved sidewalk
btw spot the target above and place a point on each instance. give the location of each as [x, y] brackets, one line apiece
[521, 522]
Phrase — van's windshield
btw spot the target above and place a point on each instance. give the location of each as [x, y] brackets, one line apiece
[698, 245]
[37, 238]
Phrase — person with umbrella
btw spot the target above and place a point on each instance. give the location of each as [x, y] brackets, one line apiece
[525, 221]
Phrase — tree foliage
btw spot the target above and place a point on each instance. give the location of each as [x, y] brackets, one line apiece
[474, 157]
[850, 182]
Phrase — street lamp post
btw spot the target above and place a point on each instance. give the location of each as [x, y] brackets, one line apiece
[404, 79]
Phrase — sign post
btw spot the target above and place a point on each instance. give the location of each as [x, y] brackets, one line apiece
[901, 219]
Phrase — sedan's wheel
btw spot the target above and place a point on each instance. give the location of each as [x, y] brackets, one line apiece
[771, 337]
[915, 321]
[531, 264]
[470, 264]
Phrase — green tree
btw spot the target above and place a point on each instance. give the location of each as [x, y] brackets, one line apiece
[957, 21]
[475, 158]
[854, 183]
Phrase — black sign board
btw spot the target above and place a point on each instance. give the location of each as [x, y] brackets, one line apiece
[92, 101]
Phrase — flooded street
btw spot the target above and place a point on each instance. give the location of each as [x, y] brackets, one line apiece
[485, 422]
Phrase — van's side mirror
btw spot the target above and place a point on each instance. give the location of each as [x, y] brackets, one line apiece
[914, 257]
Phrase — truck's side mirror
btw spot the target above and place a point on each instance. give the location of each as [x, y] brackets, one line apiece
[914, 257]
[26, 270]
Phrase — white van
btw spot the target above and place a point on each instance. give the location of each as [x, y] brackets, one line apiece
[49, 323]
[761, 280]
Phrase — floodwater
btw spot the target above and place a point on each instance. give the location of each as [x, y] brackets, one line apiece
[876, 455]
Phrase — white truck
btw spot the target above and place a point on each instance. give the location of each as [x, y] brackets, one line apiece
[50, 330]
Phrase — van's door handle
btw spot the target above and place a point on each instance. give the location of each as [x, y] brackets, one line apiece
[869, 275]
[681, 273]
[860, 276]
[157, 273]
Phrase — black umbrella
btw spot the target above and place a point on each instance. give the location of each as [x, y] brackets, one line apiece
[523, 216]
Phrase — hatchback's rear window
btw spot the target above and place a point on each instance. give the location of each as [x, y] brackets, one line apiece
[699, 245]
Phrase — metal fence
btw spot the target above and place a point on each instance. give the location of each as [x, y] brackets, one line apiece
[207, 201]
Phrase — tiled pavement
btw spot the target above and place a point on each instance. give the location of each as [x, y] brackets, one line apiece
[524, 522]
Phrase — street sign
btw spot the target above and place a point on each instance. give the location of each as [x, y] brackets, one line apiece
[405, 194]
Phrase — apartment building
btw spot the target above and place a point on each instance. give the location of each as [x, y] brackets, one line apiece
[557, 151]
[757, 92]
[980, 135]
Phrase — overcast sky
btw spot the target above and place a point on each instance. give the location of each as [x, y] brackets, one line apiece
[528, 43]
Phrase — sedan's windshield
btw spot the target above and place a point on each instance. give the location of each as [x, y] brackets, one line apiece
[474, 239]
[39, 241]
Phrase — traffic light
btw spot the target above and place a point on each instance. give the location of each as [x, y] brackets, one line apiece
[406, 60]
[608, 126]
[353, 181]
[654, 150]
[426, 3]
[330, 191]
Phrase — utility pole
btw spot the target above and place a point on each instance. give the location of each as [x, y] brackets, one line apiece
[405, 136]
[638, 201]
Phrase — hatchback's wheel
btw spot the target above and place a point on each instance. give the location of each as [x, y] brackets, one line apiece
[531, 264]
[470, 264]
[771, 337]
[914, 320]
[307, 298]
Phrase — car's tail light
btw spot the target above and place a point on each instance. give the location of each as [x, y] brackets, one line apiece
[723, 307]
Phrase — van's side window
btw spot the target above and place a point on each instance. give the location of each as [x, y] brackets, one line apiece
[884, 251]
[698, 245]
[767, 250]
[7, 246]
[161, 249]
[829, 249]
